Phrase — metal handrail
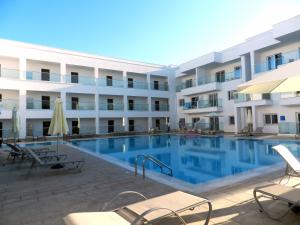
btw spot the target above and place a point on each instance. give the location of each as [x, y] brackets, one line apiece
[154, 160]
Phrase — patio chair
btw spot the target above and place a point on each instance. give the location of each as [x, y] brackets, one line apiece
[145, 211]
[292, 163]
[279, 192]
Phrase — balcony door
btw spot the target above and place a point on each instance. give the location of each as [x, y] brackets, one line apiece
[157, 124]
[74, 77]
[130, 104]
[45, 74]
[75, 102]
[156, 85]
[213, 100]
[220, 76]
[214, 123]
[110, 126]
[194, 102]
[110, 104]
[46, 125]
[75, 128]
[45, 102]
[130, 82]
[131, 125]
[109, 81]
[156, 105]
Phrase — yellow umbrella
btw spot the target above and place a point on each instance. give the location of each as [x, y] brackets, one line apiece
[58, 125]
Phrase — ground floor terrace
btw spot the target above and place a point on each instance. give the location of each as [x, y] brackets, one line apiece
[45, 197]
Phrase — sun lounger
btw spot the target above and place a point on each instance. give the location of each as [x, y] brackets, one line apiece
[292, 163]
[54, 160]
[279, 192]
[146, 211]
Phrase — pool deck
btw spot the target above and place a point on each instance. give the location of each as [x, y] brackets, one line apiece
[44, 197]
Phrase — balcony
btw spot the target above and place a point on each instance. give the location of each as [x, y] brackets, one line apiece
[84, 80]
[111, 106]
[185, 85]
[290, 99]
[203, 106]
[103, 82]
[138, 107]
[8, 104]
[160, 87]
[160, 107]
[234, 75]
[137, 85]
[285, 58]
[288, 128]
[244, 100]
[39, 104]
[50, 77]
[80, 105]
[9, 73]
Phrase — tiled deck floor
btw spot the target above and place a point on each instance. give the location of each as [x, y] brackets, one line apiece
[45, 197]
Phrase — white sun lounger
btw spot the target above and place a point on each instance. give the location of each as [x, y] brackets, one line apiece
[148, 210]
[292, 163]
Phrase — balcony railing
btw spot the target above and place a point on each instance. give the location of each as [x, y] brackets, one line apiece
[228, 77]
[80, 105]
[9, 73]
[138, 107]
[203, 104]
[8, 104]
[85, 80]
[239, 97]
[138, 85]
[33, 75]
[185, 85]
[286, 57]
[288, 128]
[104, 129]
[103, 82]
[111, 106]
[160, 87]
[160, 107]
[39, 104]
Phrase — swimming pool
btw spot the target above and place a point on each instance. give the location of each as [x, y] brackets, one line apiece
[193, 159]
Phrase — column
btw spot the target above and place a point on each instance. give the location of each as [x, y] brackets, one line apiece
[237, 118]
[148, 81]
[149, 123]
[96, 75]
[63, 73]
[125, 123]
[243, 67]
[197, 77]
[253, 109]
[63, 96]
[149, 104]
[252, 61]
[22, 68]
[22, 113]
[125, 79]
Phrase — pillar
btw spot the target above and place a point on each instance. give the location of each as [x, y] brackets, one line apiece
[149, 123]
[237, 119]
[252, 61]
[254, 119]
[148, 81]
[63, 96]
[22, 68]
[149, 104]
[97, 112]
[63, 73]
[125, 79]
[125, 123]
[22, 113]
[125, 118]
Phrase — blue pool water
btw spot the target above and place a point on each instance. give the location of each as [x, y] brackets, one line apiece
[193, 159]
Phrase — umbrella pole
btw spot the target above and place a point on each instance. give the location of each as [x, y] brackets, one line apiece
[57, 145]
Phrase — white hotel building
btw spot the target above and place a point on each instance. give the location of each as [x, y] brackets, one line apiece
[113, 95]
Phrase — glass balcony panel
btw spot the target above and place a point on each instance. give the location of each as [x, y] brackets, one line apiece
[39, 104]
[138, 107]
[8, 104]
[102, 82]
[9, 73]
[113, 106]
[80, 105]
[32, 75]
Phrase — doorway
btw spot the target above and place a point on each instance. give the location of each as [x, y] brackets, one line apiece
[110, 126]
[75, 128]
[214, 123]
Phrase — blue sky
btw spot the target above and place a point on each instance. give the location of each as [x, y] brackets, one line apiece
[158, 31]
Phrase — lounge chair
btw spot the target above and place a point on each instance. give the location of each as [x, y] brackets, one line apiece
[146, 211]
[292, 163]
[54, 160]
[277, 192]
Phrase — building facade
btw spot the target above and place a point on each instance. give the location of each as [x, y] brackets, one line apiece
[100, 94]
[105, 95]
[206, 86]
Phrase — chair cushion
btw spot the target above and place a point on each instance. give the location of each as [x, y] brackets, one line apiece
[95, 218]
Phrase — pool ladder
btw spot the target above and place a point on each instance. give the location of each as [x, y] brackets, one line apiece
[153, 160]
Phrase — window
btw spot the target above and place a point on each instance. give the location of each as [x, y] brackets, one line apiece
[130, 82]
[110, 126]
[131, 125]
[189, 83]
[109, 81]
[269, 62]
[181, 102]
[156, 105]
[156, 85]
[75, 102]
[45, 74]
[297, 93]
[213, 100]
[75, 128]
[231, 120]
[231, 94]
[110, 104]
[45, 102]
[271, 119]
[266, 96]
[278, 60]
[157, 124]
[194, 102]
[130, 104]
[74, 77]
[220, 76]
[46, 125]
[237, 72]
